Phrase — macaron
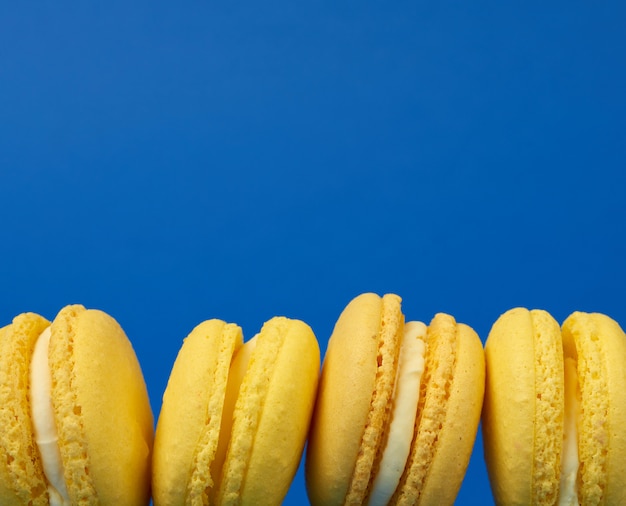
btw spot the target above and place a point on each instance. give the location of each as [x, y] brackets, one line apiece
[554, 417]
[397, 410]
[235, 417]
[77, 427]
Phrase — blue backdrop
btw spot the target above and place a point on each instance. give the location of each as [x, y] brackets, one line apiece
[170, 164]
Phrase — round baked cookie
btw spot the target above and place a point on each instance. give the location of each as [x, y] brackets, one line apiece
[554, 416]
[397, 409]
[76, 403]
[235, 416]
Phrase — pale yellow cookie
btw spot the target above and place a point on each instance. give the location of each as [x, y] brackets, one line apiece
[554, 418]
[235, 417]
[82, 426]
[397, 410]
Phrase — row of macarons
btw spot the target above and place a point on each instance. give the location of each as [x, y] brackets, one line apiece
[390, 419]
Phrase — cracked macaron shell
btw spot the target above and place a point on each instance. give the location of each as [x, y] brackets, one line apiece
[22, 480]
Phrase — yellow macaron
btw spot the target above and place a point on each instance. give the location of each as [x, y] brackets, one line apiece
[397, 409]
[235, 416]
[554, 417]
[76, 420]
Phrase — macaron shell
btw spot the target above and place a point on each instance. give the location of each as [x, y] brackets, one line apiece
[272, 414]
[522, 417]
[378, 420]
[344, 418]
[21, 475]
[448, 415]
[189, 422]
[599, 344]
[102, 411]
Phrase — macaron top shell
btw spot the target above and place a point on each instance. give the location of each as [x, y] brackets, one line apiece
[599, 345]
[189, 424]
[524, 379]
[348, 423]
[272, 414]
[448, 413]
[101, 409]
[22, 480]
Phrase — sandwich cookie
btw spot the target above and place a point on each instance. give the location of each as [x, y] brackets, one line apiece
[235, 416]
[554, 418]
[397, 409]
[76, 421]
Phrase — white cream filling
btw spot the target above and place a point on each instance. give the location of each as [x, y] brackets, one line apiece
[46, 435]
[568, 490]
[404, 412]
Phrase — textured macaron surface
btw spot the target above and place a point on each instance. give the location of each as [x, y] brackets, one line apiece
[599, 346]
[21, 475]
[350, 420]
[272, 414]
[523, 408]
[554, 418]
[448, 414]
[355, 403]
[235, 417]
[101, 409]
[188, 428]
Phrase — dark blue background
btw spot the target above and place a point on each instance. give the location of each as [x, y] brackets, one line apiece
[170, 164]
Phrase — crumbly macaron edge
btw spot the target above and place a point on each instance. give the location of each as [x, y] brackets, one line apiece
[247, 413]
[285, 419]
[441, 343]
[25, 479]
[74, 453]
[614, 343]
[348, 378]
[201, 482]
[582, 340]
[457, 434]
[184, 410]
[378, 419]
[549, 408]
